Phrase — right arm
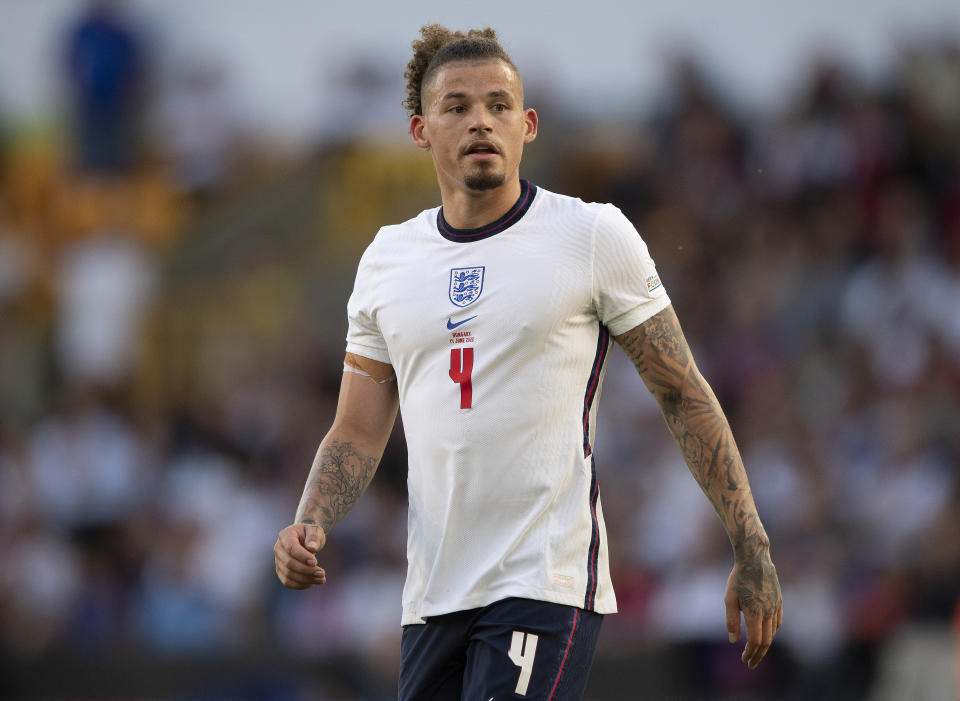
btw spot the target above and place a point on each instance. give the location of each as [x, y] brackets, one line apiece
[343, 467]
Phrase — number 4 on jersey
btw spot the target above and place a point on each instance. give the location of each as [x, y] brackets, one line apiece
[461, 368]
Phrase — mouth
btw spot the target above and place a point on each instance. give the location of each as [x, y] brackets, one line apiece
[481, 148]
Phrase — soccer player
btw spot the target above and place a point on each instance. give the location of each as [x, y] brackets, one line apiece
[487, 321]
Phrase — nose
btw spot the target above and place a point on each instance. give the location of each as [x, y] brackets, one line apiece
[479, 122]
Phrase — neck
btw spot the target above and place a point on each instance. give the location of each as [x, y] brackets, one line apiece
[468, 209]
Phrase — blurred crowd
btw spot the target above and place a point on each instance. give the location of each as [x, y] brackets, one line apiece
[147, 463]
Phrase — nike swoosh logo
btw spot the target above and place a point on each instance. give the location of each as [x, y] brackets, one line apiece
[454, 324]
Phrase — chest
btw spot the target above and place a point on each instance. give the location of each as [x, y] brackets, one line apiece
[515, 289]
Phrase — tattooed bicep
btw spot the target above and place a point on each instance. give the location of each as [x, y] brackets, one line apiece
[657, 347]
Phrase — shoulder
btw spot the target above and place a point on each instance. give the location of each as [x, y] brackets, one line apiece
[420, 227]
[575, 211]
[553, 202]
[423, 224]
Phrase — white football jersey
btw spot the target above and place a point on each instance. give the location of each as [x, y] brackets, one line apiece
[499, 337]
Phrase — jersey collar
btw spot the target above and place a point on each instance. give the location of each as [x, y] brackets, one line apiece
[527, 192]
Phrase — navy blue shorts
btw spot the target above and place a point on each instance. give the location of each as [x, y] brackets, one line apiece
[512, 649]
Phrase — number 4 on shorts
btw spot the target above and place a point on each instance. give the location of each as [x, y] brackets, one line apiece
[523, 647]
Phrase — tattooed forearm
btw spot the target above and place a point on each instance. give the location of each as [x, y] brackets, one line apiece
[661, 355]
[340, 474]
[693, 415]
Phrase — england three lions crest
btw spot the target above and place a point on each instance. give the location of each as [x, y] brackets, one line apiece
[466, 284]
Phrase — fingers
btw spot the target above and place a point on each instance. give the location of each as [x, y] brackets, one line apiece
[293, 573]
[733, 617]
[290, 541]
[296, 580]
[760, 632]
[295, 564]
[754, 624]
[292, 564]
[767, 639]
[312, 537]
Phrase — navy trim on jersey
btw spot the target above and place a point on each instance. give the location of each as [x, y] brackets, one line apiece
[603, 343]
[593, 383]
[527, 192]
[593, 553]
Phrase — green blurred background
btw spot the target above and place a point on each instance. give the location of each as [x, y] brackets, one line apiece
[185, 191]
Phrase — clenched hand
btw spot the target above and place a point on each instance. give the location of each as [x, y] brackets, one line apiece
[294, 556]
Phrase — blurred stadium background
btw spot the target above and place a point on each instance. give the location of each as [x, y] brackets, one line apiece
[185, 190]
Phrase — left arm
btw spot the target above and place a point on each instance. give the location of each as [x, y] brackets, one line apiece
[661, 355]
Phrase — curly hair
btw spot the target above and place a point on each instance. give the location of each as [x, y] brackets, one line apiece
[438, 45]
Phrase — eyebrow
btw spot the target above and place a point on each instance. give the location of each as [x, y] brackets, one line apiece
[461, 95]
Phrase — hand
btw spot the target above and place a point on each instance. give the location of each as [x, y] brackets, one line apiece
[294, 556]
[753, 588]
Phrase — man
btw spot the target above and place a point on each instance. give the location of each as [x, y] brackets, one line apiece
[105, 69]
[489, 320]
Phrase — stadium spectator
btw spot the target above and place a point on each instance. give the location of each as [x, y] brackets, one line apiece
[105, 71]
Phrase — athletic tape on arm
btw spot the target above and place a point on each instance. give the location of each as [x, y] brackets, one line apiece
[378, 372]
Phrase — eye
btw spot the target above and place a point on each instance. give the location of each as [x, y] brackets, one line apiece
[500, 107]
[458, 109]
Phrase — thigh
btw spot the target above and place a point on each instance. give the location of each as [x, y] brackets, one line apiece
[432, 659]
[524, 649]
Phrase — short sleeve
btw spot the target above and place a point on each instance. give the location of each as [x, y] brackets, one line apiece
[363, 332]
[626, 287]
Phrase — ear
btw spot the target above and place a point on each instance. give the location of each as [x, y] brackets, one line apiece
[418, 130]
[531, 123]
